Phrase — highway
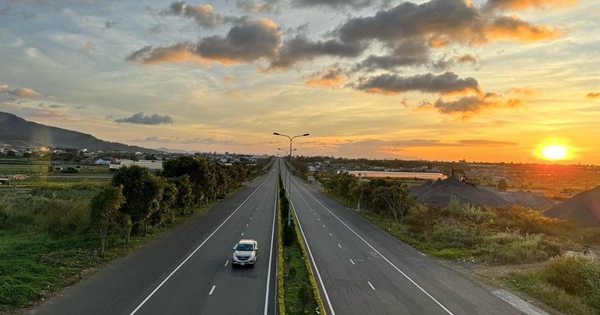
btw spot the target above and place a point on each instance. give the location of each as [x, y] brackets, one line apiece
[188, 269]
[361, 269]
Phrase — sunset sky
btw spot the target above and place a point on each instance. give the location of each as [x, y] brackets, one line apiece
[489, 81]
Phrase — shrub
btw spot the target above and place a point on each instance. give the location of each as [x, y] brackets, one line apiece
[454, 237]
[63, 217]
[575, 275]
[289, 235]
[514, 248]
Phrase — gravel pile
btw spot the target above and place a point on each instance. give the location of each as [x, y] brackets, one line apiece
[440, 192]
[583, 208]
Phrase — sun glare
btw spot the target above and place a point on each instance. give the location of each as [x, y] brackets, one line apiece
[554, 152]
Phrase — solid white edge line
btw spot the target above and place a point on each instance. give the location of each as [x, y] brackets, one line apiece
[312, 259]
[197, 248]
[274, 231]
[384, 258]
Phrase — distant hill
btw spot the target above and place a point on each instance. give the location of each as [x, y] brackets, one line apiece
[440, 192]
[583, 208]
[18, 132]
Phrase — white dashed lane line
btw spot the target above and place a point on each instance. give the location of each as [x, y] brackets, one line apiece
[212, 290]
[372, 287]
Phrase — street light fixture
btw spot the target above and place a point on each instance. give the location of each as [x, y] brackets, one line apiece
[289, 187]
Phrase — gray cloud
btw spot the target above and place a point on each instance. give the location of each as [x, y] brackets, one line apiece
[446, 83]
[140, 119]
[247, 41]
[446, 63]
[441, 22]
[301, 49]
[356, 4]
[109, 24]
[203, 14]
[268, 6]
[405, 53]
[467, 106]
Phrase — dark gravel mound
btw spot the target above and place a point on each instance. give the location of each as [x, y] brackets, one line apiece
[583, 208]
[440, 192]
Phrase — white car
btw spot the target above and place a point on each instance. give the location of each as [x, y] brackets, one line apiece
[245, 253]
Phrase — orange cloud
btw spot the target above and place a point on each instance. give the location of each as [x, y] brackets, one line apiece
[512, 27]
[332, 78]
[523, 4]
[438, 42]
[172, 53]
[593, 95]
[523, 91]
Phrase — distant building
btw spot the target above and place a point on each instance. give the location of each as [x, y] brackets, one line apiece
[152, 165]
[102, 162]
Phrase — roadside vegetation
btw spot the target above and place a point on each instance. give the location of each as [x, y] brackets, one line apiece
[487, 237]
[53, 232]
[298, 293]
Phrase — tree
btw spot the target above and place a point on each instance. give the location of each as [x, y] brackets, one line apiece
[164, 203]
[141, 190]
[196, 168]
[184, 198]
[393, 201]
[104, 211]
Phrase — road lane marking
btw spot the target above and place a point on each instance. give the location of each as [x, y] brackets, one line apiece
[372, 287]
[340, 246]
[312, 259]
[211, 290]
[352, 261]
[330, 234]
[323, 225]
[197, 249]
[242, 233]
[274, 230]
[226, 262]
[373, 248]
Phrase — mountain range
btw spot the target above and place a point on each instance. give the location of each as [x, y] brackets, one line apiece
[18, 132]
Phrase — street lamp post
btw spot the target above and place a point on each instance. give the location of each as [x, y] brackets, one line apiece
[289, 187]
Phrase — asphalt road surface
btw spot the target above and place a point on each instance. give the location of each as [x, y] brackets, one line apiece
[361, 269]
[188, 270]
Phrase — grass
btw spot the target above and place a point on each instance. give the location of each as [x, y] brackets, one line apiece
[297, 283]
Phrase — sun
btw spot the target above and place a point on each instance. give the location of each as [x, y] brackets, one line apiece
[555, 152]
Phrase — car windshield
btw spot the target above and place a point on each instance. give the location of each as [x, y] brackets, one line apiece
[244, 247]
